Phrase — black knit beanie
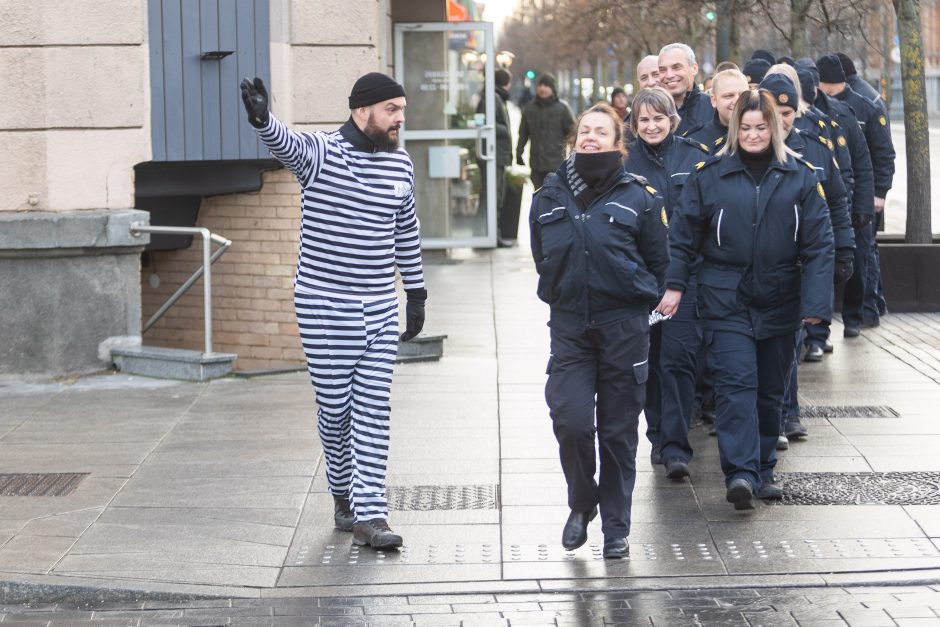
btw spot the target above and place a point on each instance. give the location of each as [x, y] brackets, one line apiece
[372, 88]
[548, 80]
[755, 69]
[807, 84]
[766, 55]
[848, 66]
[830, 69]
[788, 60]
[782, 89]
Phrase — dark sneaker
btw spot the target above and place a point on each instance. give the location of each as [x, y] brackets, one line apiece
[677, 468]
[616, 547]
[375, 533]
[850, 331]
[740, 494]
[814, 353]
[770, 491]
[782, 443]
[794, 429]
[869, 323]
[655, 458]
[343, 517]
[828, 347]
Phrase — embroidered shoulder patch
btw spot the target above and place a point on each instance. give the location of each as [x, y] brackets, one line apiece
[883, 120]
[698, 166]
[841, 141]
[719, 140]
[651, 189]
[662, 216]
[819, 188]
[822, 124]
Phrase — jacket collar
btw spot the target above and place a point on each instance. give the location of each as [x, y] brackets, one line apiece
[733, 163]
[354, 135]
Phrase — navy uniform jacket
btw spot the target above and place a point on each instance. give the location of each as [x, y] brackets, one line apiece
[767, 247]
[695, 112]
[863, 191]
[820, 158]
[667, 170]
[604, 265]
[864, 88]
[877, 135]
[713, 134]
[828, 132]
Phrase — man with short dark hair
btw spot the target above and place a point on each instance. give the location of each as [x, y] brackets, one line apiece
[677, 71]
[546, 123]
[358, 225]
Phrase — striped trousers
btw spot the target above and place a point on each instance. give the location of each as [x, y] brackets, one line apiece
[350, 347]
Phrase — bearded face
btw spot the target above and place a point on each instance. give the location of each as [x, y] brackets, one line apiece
[384, 134]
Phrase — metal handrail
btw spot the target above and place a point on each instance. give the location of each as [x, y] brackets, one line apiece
[206, 268]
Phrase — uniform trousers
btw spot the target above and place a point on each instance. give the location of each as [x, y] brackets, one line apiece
[597, 385]
[791, 401]
[874, 302]
[351, 347]
[670, 391]
[853, 298]
[749, 377]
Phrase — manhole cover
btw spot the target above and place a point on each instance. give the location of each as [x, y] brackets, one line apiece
[864, 488]
[847, 411]
[40, 484]
[443, 497]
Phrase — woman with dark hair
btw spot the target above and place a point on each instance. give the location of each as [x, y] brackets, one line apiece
[666, 160]
[757, 217]
[599, 244]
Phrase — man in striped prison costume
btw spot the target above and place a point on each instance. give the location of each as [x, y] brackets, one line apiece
[358, 224]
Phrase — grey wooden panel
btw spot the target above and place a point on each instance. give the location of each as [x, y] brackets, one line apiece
[192, 82]
[157, 104]
[230, 105]
[262, 56]
[173, 80]
[245, 32]
[211, 70]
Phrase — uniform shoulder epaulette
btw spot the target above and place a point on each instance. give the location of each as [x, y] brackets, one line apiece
[694, 143]
[806, 163]
[639, 178]
[707, 162]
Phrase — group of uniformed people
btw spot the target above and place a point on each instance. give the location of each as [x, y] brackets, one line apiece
[730, 216]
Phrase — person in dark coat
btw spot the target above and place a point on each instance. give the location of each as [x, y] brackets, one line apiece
[727, 85]
[860, 85]
[881, 148]
[757, 216]
[599, 245]
[501, 79]
[546, 123]
[666, 161]
[677, 71]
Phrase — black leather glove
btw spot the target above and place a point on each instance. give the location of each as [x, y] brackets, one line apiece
[414, 313]
[255, 97]
[519, 160]
[860, 220]
[844, 270]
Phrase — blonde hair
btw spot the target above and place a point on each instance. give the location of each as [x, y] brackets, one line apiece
[790, 72]
[609, 111]
[660, 101]
[732, 73]
[763, 101]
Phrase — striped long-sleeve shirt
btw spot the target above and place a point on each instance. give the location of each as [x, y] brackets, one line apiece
[358, 212]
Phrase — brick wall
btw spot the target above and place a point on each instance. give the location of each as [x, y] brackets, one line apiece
[252, 283]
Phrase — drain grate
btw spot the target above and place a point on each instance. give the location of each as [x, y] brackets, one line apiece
[40, 484]
[847, 411]
[863, 488]
[425, 498]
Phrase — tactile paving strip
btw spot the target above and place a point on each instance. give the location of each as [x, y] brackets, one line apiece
[749, 550]
[862, 488]
[847, 411]
[40, 484]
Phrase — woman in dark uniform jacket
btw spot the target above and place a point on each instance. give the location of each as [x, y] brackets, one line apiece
[599, 244]
[666, 160]
[758, 217]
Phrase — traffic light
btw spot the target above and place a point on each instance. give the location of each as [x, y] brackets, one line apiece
[530, 74]
[710, 15]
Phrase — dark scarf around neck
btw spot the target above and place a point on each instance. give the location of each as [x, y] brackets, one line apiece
[591, 174]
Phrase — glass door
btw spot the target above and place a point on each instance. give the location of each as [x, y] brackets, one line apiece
[449, 131]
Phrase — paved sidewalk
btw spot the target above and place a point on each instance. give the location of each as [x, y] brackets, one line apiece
[217, 489]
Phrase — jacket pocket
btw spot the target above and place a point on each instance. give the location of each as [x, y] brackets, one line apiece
[641, 371]
[622, 216]
[717, 293]
[555, 240]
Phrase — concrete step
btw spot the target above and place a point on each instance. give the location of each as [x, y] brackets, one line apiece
[173, 363]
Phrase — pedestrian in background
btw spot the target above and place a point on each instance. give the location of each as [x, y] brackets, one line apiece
[666, 161]
[344, 289]
[599, 245]
[501, 79]
[757, 216]
[546, 124]
[647, 72]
